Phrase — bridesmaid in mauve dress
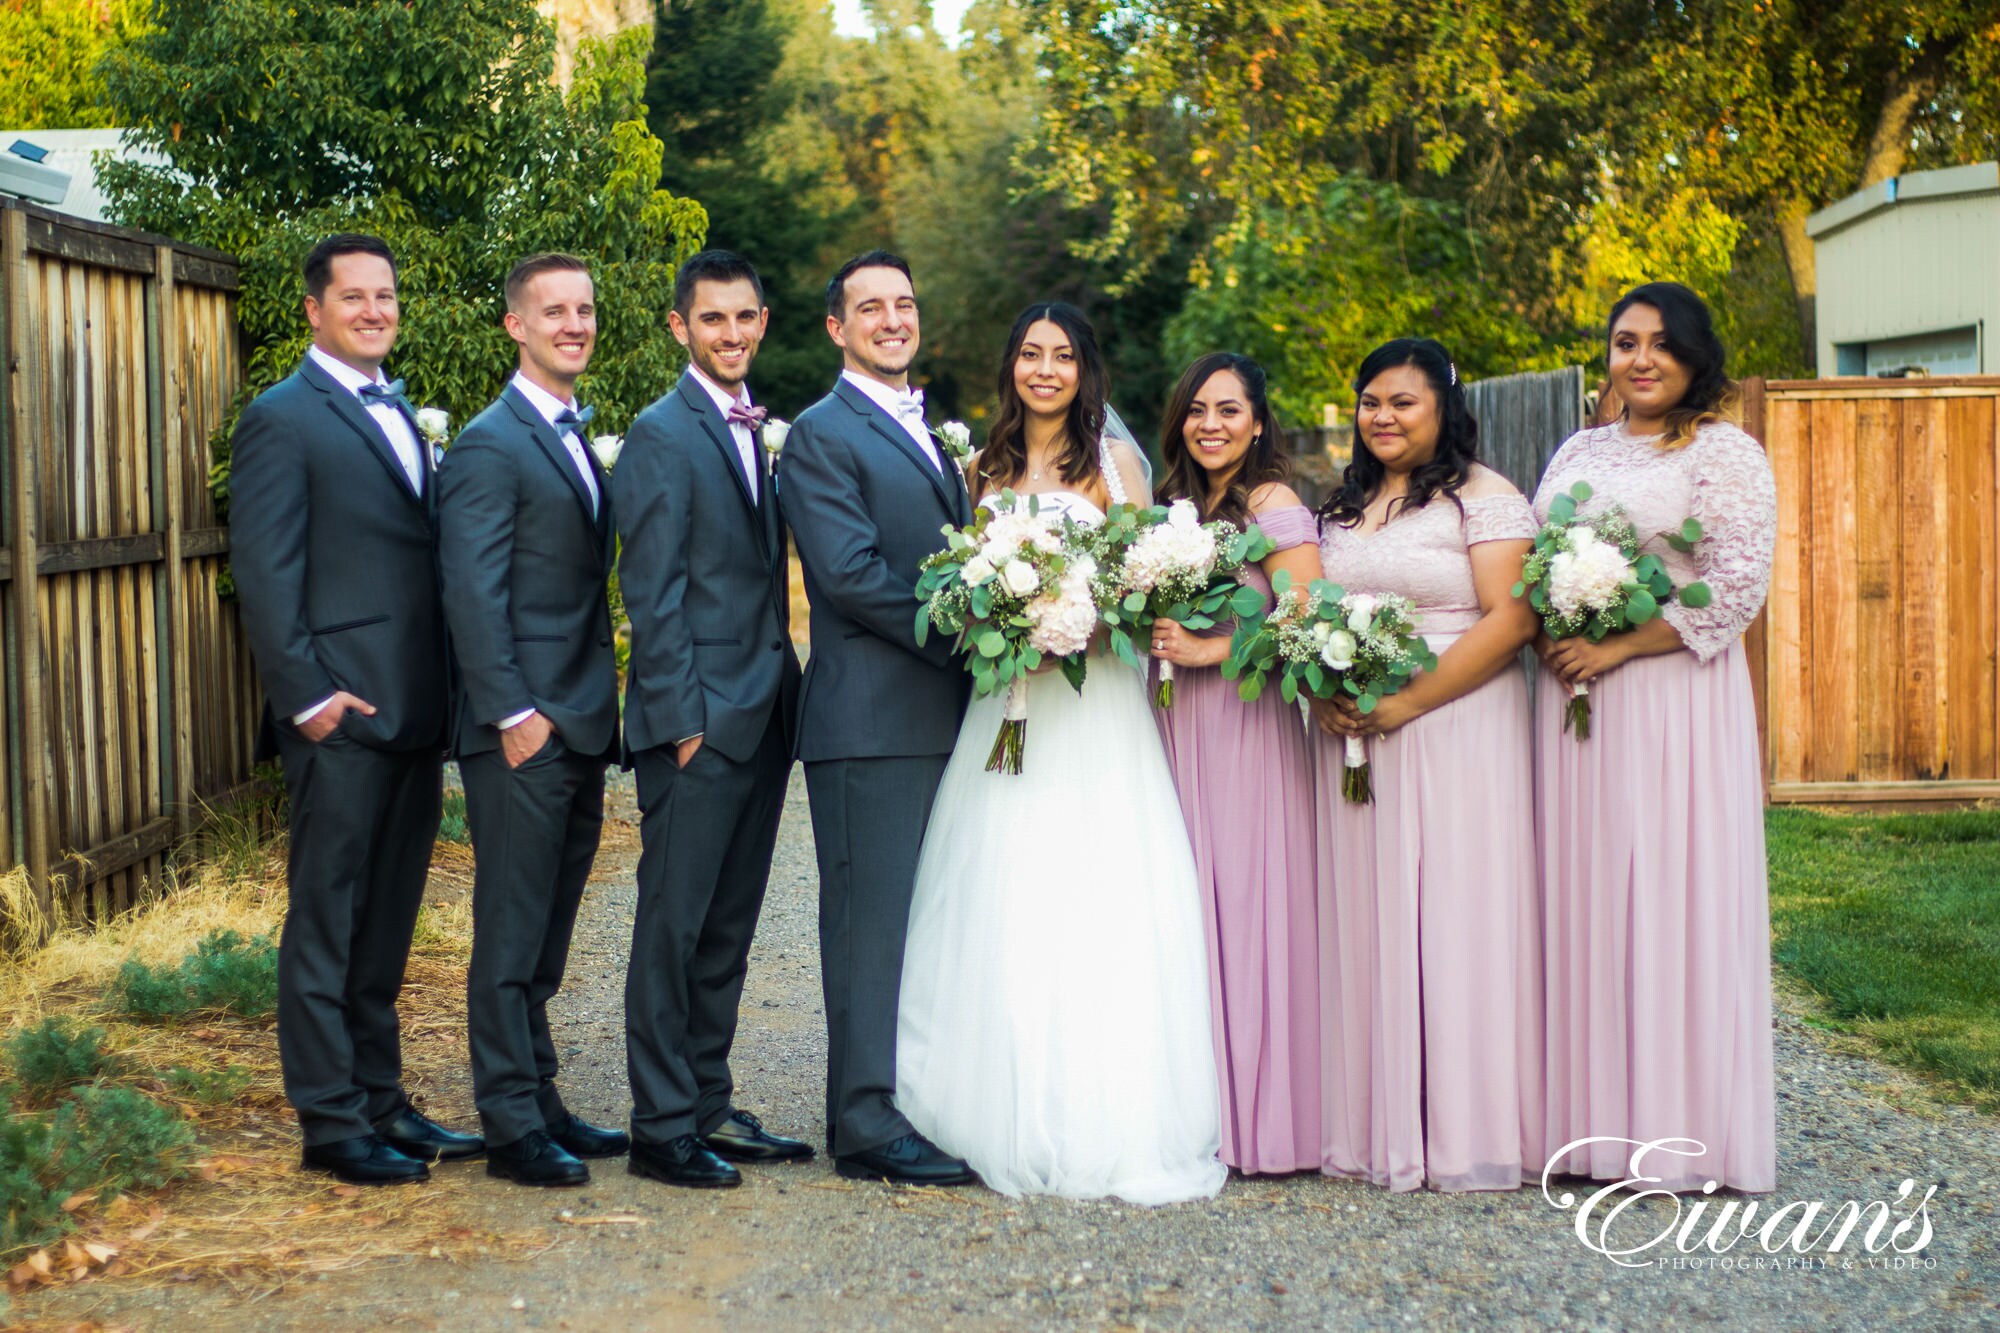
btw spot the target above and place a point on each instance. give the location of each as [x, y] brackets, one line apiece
[1244, 773]
[1429, 922]
[1651, 832]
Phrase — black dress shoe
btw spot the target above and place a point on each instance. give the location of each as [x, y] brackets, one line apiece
[415, 1134]
[535, 1159]
[743, 1138]
[910, 1160]
[682, 1161]
[367, 1160]
[580, 1138]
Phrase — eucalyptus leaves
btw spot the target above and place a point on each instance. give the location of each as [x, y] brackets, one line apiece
[1585, 576]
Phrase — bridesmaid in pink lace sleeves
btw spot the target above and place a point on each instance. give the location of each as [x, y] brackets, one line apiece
[1651, 833]
[1244, 774]
[1431, 981]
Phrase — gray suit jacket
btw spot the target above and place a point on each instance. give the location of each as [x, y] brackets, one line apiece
[525, 566]
[334, 557]
[866, 506]
[704, 573]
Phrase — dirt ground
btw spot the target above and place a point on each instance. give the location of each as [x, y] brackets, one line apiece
[797, 1247]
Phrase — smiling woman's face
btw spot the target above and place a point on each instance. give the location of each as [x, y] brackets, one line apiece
[1045, 371]
[1648, 378]
[1397, 417]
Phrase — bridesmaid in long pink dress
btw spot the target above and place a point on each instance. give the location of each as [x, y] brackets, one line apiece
[1244, 773]
[1651, 832]
[1429, 924]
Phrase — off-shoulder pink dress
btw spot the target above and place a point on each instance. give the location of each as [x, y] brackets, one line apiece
[1651, 837]
[1431, 976]
[1244, 772]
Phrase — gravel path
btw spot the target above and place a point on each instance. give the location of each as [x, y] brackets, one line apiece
[799, 1248]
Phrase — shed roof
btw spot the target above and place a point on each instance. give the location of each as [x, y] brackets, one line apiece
[1977, 178]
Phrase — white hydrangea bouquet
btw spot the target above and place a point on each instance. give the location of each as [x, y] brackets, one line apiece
[1324, 641]
[1170, 565]
[1586, 576]
[1016, 589]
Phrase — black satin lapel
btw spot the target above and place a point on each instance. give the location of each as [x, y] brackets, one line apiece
[349, 409]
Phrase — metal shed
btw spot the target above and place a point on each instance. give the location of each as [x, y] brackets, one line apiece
[1909, 275]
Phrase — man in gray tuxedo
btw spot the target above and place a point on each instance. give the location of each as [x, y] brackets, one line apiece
[525, 544]
[708, 703]
[866, 491]
[332, 512]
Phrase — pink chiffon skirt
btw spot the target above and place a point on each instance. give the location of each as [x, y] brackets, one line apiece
[1657, 926]
[1244, 772]
[1430, 948]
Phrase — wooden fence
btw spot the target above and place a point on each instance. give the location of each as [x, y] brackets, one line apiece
[1523, 419]
[1877, 658]
[129, 688]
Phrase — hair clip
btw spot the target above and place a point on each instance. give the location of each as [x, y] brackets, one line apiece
[1453, 366]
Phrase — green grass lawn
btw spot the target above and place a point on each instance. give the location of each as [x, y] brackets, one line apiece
[1894, 920]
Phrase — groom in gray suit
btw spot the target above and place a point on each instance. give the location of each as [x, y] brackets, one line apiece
[708, 710]
[332, 542]
[866, 490]
[526, 547]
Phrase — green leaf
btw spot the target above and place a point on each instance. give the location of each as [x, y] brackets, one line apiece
[1289, 688]
[1366, 703]
[991, 643]
[923, 626]
[1691, 531]
[1561, 510]
[1695, 595]
[1581, 492]
[1518, 589]
[1246, 601]
[1641, 608]
[1135, 602]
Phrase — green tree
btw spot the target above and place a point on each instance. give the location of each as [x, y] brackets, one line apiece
[434, 123]
[49, 51]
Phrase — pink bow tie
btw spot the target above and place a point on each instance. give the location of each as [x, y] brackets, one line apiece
[753, 417]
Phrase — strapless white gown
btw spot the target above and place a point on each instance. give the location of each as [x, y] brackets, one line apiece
[1054, 1028]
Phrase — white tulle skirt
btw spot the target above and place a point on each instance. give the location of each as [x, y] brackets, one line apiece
[1054, 1025]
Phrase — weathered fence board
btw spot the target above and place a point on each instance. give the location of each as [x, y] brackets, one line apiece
[130, 695]
[1523, 419]
[1880, 644]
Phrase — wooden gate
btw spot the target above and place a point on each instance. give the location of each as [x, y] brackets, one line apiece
[130, 692]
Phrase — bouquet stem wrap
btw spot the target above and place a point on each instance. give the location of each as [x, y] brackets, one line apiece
[1012, 742]
[1355, 780]
[1576, 713]
[1163, 694]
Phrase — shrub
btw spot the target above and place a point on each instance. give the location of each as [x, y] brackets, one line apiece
[102, 1139]
[225, 972]
[453, 828]
[56, 1054]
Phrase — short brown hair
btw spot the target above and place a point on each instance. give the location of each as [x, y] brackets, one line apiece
[534, 266]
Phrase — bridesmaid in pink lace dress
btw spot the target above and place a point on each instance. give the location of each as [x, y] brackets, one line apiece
[1244, 773]
[1430, 936]
[1651, 832]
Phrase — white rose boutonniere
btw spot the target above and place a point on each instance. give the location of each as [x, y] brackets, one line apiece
[956, 438]
[434, 424]
[607, 448]
[773, 434]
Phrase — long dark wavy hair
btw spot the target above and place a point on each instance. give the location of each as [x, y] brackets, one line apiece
[1711, 395]
[1265, 462]
[1458, 435]
[1005, 456]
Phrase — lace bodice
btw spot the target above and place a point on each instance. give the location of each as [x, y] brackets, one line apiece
[1426, 554]
[1721, 479]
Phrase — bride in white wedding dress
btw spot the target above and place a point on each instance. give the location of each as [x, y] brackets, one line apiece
[1053, 1028]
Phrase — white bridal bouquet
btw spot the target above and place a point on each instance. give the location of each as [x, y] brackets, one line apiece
[1586, 576]
[1172, 566]
[1324, 641]
[1015, 588]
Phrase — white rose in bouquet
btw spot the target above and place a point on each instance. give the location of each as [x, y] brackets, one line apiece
[977, 570]
[1182, 514]
[1322, 630]
[1338, 651]
[1360, 608]
[956, 437]
[1019, 577]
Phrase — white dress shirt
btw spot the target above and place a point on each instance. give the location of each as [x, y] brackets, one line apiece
[552, 407]
[395, 428]
[746, 443]
[905, 405]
